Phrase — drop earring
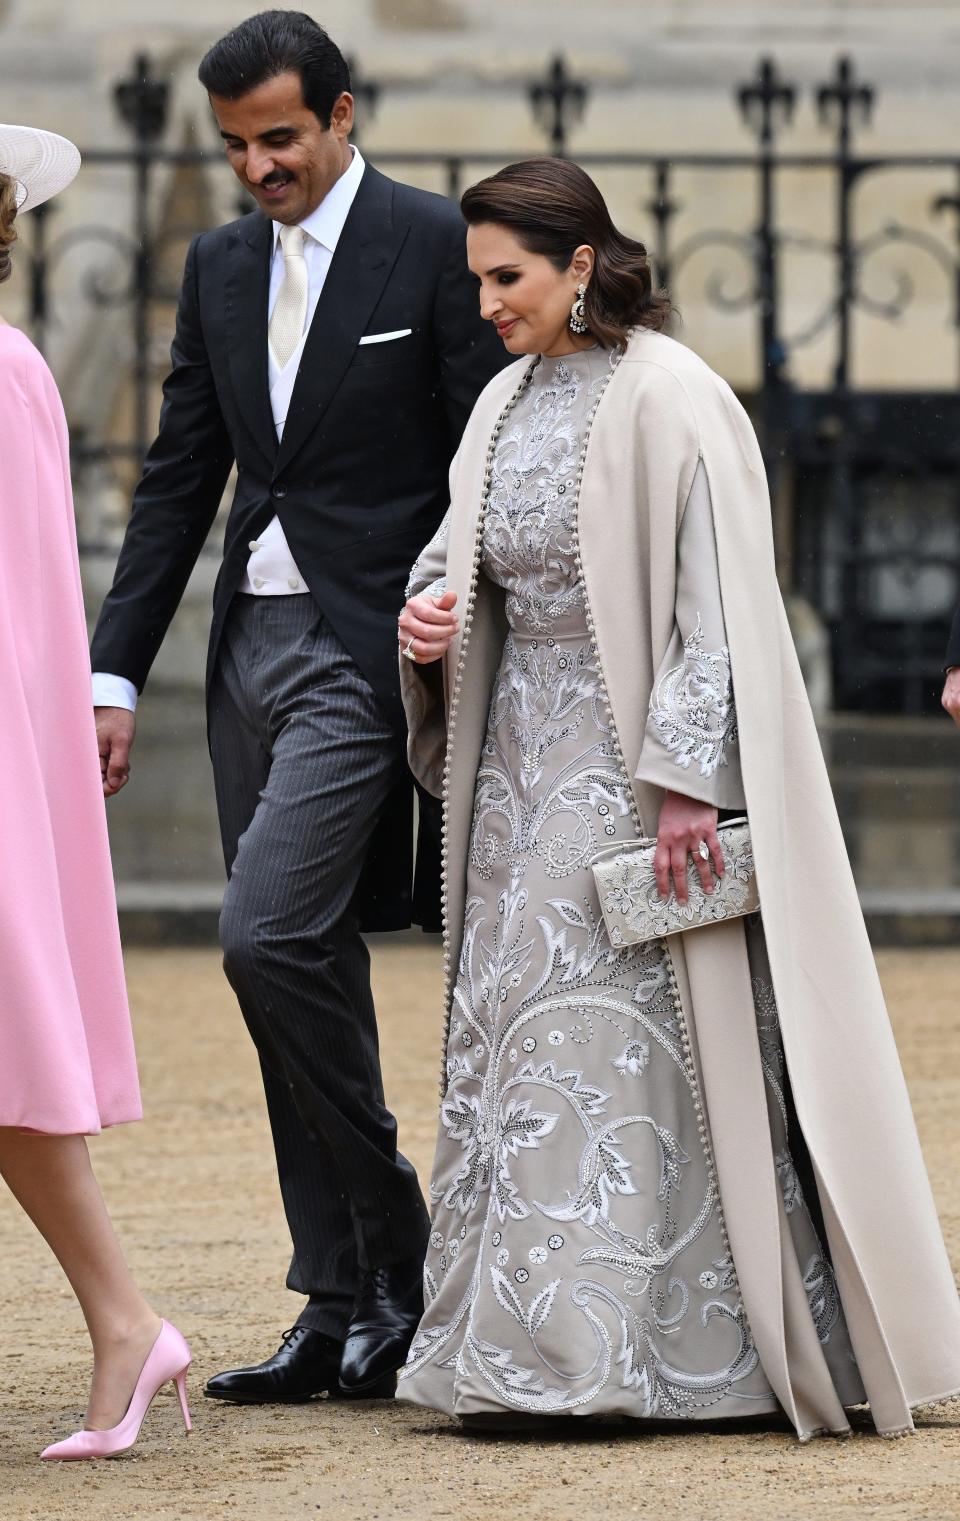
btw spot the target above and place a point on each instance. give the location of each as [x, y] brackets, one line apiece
[578, 317]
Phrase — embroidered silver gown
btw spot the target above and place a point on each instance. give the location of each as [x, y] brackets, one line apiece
[578, 1260]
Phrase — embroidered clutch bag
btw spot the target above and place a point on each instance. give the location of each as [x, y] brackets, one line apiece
[633, 909]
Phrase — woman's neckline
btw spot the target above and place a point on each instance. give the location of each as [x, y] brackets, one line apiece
[567, 358]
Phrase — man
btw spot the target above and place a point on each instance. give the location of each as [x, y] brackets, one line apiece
[950, 697]
[330, 344]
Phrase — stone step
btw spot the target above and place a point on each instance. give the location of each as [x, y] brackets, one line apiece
[897, 784]
[920, 858]
[179, 914]
[169, 913]
[868, 793]
[900, 744]
[901, 823]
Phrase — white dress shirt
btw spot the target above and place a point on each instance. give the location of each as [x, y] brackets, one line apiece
[271, 569]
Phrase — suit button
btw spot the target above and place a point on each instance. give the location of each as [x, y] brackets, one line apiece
[253, 546]
[279, 491]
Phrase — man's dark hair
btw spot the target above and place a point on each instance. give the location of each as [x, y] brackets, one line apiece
[272, 43]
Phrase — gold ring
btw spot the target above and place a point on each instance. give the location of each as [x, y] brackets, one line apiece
[409, 651]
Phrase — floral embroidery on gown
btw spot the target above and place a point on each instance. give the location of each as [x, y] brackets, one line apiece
[578, 1260]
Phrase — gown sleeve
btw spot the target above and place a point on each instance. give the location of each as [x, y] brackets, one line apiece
[690, 743]
[421, 686]
[429, 574]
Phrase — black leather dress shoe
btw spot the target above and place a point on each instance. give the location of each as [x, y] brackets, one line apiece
[306, 1364]
[387, 1313]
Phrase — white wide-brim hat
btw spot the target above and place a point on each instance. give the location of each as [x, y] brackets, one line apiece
[41, 163]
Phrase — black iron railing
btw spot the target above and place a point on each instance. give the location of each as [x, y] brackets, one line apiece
[883, 570]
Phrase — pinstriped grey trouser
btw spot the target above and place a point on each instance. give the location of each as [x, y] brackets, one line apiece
[303, 760]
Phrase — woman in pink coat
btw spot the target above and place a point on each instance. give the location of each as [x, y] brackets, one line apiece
[67, 1064]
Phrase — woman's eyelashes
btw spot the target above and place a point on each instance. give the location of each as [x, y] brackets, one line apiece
[507, 278]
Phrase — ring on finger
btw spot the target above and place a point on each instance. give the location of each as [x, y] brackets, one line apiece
[409, 651]
[703, 850]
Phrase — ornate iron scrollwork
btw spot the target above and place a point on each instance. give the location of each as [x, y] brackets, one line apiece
[744, 268]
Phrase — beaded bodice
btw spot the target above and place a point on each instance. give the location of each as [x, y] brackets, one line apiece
[529, 535]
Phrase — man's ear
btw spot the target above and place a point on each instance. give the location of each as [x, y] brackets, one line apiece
[342, 115]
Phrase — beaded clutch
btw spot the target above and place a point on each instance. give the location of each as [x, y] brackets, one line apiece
[633, 909]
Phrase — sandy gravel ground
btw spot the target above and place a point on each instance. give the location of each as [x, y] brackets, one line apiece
[194, 1194]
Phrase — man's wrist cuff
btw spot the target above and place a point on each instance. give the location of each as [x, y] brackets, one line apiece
[111, 691]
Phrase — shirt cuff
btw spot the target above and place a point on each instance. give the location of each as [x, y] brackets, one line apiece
[113, 691]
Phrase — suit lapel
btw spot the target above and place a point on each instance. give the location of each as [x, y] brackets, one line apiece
[247, 293]
[365, 254]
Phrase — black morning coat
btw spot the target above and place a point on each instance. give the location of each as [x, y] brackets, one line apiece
[359, 480]
[952, 656]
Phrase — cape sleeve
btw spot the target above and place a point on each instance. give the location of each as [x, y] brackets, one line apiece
[690, 742]
[429, 574]
[421, 686]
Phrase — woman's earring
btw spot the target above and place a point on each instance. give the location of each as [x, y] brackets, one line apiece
[578, 316]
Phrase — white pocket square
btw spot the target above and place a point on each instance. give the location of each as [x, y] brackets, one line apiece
[401, 332]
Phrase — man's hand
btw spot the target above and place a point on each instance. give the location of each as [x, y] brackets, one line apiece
[951, 694]
[684, 825]
[116, 729]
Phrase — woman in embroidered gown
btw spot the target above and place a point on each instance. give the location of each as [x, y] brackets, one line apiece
[626, 1219]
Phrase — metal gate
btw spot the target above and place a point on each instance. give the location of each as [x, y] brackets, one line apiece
[866, 484]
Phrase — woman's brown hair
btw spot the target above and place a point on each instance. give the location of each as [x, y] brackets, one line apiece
[551, 206]
[8, 233]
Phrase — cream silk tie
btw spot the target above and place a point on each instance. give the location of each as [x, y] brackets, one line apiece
[290, 308]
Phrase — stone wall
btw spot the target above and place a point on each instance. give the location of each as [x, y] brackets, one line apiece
[454, 76]
[663, 76]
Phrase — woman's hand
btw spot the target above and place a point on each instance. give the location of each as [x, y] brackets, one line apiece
[430, 623]
[684, 825]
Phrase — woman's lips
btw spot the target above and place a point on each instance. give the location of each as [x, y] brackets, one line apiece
[503, 328]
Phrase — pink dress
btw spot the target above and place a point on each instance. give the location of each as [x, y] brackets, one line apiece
[67, 1063]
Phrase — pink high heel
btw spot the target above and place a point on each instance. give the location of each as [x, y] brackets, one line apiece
[168, 1359]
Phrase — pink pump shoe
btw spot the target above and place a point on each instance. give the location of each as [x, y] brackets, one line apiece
[168, 1360]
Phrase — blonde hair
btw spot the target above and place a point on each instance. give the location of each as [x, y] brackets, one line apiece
[8, 213]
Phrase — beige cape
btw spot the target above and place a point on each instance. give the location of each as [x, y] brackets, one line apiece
[663, 411]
